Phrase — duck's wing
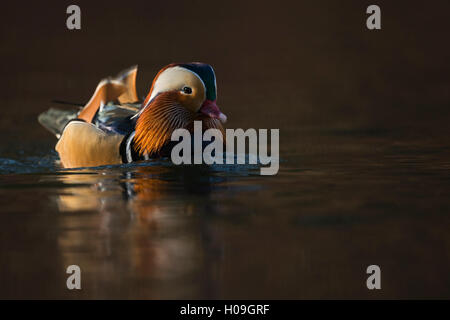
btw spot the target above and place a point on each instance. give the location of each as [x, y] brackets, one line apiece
[107, 90]
[121, 88]
[94, 135]
[128, 78]
[116, 118]
[82, 144]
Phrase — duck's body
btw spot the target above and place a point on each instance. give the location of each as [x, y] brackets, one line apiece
[104, 133]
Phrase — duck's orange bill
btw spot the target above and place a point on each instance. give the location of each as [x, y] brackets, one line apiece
[211, 109]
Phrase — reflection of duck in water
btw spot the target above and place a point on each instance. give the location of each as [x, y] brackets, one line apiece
[102, 133]
[144, 188]
[140, 222]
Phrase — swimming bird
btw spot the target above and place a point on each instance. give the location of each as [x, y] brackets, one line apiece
[113, 127]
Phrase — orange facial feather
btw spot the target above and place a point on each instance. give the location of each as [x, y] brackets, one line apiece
[166, 113]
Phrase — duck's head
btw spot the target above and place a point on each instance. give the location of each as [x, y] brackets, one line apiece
[180, 94]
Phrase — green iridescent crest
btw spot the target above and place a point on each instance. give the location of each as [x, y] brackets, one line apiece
[206, 73]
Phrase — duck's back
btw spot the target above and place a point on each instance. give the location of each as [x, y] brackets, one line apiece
[111, 118]
[116, 118]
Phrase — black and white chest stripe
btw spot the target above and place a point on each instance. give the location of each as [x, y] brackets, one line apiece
[127, 151]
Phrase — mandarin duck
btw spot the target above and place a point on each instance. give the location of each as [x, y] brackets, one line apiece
[113, 127]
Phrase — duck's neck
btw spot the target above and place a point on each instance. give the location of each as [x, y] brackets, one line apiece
[156, 123]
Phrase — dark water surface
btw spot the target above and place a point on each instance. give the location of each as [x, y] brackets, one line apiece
[341, 202]
[364, 177]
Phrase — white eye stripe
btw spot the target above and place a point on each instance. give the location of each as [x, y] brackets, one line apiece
[171, 79]
[215, 81]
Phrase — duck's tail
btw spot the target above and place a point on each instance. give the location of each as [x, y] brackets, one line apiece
[121, 88]
[55, 120]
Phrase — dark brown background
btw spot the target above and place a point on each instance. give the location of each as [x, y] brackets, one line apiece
[285, 63]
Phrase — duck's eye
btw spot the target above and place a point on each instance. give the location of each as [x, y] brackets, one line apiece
[187, 90]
